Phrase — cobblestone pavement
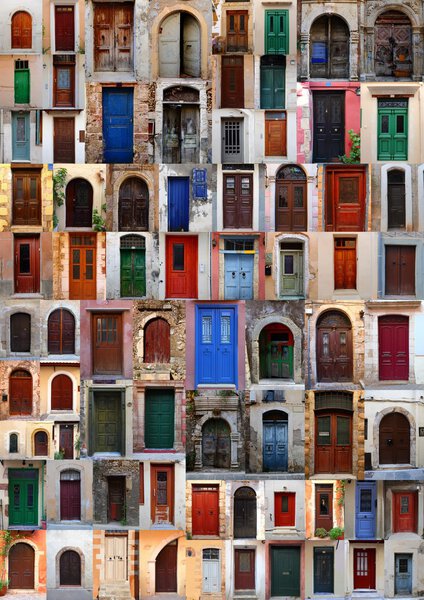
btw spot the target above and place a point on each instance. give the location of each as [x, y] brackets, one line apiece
[26, 596]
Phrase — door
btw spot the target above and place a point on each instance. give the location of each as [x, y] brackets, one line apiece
[180, 132]
[333, 451]
[211, 571]
[70, 496]
[345, 264]
[403, 574]
[276, 32]
[400, 270]
[232, 82]
[244, 569]
[290, 199]
[70, 568]
[205, 510]
[285, 571]
[334, 348]
[329, 42]
[20, 392]
[328, 133]
[396, 204]
[21, 567]
[82, 267]
[20, 136]
[21, 30]
[22, 82]
[133, 266]
[238, 201]
[364, 568]
[116, 488]
[166, 569]
[216, 345]
[366, 506]
[26, 197]
[291, 269]
[23, 497]
[190, 46]
[345, 199]
[117, 125]
[245, 513]
[159, 418]
[157, 341]
[392, 133]
[79, 203]
[238, 282]
[324, 506]
[66, 440]
[107, 344]
[64, 28]
[232, 140]
[113, 37]
[393, 50]
[237, 21]
[284, 509]
[216, 444]
[41, 443]
[405, 509]
[179, 46]
[394, 440]
[116, 558]
[162, 494]
[178, 203]
[62, 393]
[107, 424]
[133, 210]
[273, 81]
[61, 332]
[324, 570]
[275, 444]
[20, 332]
[275, 133]
[64, 140]
[393, 348]
[181, 267]
[64, 81]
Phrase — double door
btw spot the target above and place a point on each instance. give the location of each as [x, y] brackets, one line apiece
[82, 267]
[216, 345]
[400, 270]
[133, 272]
[238, 280]
[238, 201]
[329, 127]
[275, 446]
[26, 197]
[113, 36]
[205, 510]
[23, 497]
[116, 558]
[333, 449]
[393, 348]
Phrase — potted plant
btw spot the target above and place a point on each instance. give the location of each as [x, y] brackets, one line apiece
[3, 586]
[78, 445]
[336, 533]
[321, 532]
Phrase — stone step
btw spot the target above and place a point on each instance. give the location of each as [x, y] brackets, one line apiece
[115, 591]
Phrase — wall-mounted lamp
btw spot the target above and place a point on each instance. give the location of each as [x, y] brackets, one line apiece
[214, 243]
[4, 397]
[361, 314]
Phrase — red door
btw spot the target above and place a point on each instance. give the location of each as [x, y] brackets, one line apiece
[162, 491]
[64, 28]
[405, 512]
[345, 264]
[334, 347]
[393, 348]
[61, 332]
[116, 497]
[345, 198]
[70, 497]
[400, 270]
[20, 393]
[285, 509]
[61, 393]
[21, 30]
[244, 570]
[157, 341]
[333, 446]
[205, 510]
[232, 82]
[364, 569]
[27, 265]
[394, 439]
[238, 201]
[64, 140]
[107, 344]
[324, 506]
[181, 267]
[166, 569]
[21, 567]
[66, 440]
[82, 267]
[41, 443]
[26, 197]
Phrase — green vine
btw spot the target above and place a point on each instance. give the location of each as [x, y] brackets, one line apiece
[99, 223]
[6, 540]
[59, 182]
[342, 492]
[355, 151]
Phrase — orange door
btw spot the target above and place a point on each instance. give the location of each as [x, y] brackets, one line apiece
[82, 264]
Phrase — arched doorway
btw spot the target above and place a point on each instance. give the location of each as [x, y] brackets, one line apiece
[62, 393]
[396, 196]
[275, 440]
[393, 54]
[70, 568]
[334, 347]
[179, 46]
[20, 332]
[21, 567]
[394, 440]
[329, 48]
[216, 444]
[20, 392]
[245, 513]
[79, 203]
[61, 332]
[133, 205]
[276, 346]
[41, 443]
[166, 569]
[291, 199]
[157, 341]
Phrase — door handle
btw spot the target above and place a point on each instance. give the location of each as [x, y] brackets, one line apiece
[233, 274]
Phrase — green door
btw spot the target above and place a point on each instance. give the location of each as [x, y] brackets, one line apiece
[159, 419]
[276, 32]
[107, 422]
[292, 273]
[285, 571]
[272, 82]
[279, 359]
[392, 129]
[23, 497]
[21, 82]
[133, 273]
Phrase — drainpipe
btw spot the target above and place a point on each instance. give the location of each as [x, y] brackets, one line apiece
[308, 313]
[43, 512]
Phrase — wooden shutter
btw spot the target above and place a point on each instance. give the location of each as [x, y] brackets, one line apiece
[285, 509]
[70, 568]
[64, 28]
[276, 32]
[20, 332]
[62, 393]
[61, 332]
[400, 270]
[275, 134]
[157, 344]
[21, 30]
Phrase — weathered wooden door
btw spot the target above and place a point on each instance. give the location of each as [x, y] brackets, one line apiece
[157, 341]
[394, 440]
[107, 343]
[238, 201]
[216, 345]
[238, 279]
[133, 266]
[21, 567]
[290, 199]
[393, 348]
[405, 505]
[66, 440]
[118, 124]
[20, 392]
[324, 570]
[275, 133]
[191, 50]
[366, 505]
[285, 571]
[113, 36]
[345, 198]
[205, 510]
[216, 444]
[21, 144]
[116, 488]
[244, 569]
[70, 568]
[64, 81]
[21, 30]
[329, 45]
[61, 332]
[324, 506]
[333, 450]
[27, 264]
[169, 46]
[178, 203]
[273, 81]
[245, 513]
[237, 23]
[329, 126]
[159, 418]
[334, 348]
[64, 140]
[275, 442]
[82, 267]
[162, 494]
[180, 133]
[276, 352]
[70, 496]
[232, 82]
[62, 393]
[232, 140]
[79, 203]
[393, 49]
[403, 574]
[291, 269]
[166, 569]
[400, 270]
[396, 192]
[23, 497]
[181, 267]
[364, 568]
[26, 197]
[133, 208]
[20, 332]
[107, 422]
[116, 557]
[345, 263]
[211, 574]
[64, 25]
[392, 131]
[41, 443]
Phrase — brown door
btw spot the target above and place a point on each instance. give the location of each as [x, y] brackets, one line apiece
[64, 140]
[62, 393]
[232, 82]
[66, 440]
[245, 514]
[275, 133]
[82, 267]
[157, 341]
[400, 270]
[237, 30]
[345, 263]
[133, 208]
[393, 348]
[21, 567]
[333, 449]
[238, 201]
[205, 510]
[324, 506]
[107, 344]
[20, 393]
[396, 209]
[26, 197]
[64, 81]
[405, 506]
[364, 569]
[70, 496]
[20, 332]
[334, 348]
[394, 440]
[181, 267]
[27, 265]
[41, 443]
[244, 570]
[61, 332]
[290, 199]
[166, 569]
[79, 203]
[113, 25]
[162, 490]
[64, 28]
[21, 30]
[345, 198]
[70, 568]
[116, 487]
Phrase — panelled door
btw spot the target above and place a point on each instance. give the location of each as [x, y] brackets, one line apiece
[211, 571]
[64, 81]
[238, 201]
[70, 496]
[345, 198]
[285, 571]
[133, 266]
[159, 418]
[364, 568]
[22, 82]
[366, 505]
[205, 510]
[26, 197]
[181, 266]
[405, 509]
[70, 568]
[394, 440]
[116, 558]
[21, 567]
[244, 569]
[400, 270]
[166, 569]
[23, 497]
[333, 450]
[232, 140]
[133, 208]
[345, 263]
[291, 199]
[157, 341]
[334, 348]
[66, 440]
[118, 125]
[275, 133]
[324, 570]
[273, 80]
[64, 140]
[79, 203]
[232, 82]
[162, 494]
[61, 332]
[64, 28]
[392, 140]
[20, 392]
[216, 444]
[113, 36]
[237, 30]
[82, 267]
[245, 513]
[107, 423]
[403, 574]
[328, 133]
[275, 445]
[324, 506]
[238, 281]
[216, 345]
[20, 332]
[396, 196]
[27, 264]
[116, 487]
[393, 348]
[291, 269]
[107, 344]
[179, 46]
[178, 203]
[20, 136]
[276, 31]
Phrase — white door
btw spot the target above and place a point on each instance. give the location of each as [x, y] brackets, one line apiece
[211, 571]
[116, 558]
[191, 46]
[169, 47]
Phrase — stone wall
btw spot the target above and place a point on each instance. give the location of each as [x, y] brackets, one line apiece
[102, 469]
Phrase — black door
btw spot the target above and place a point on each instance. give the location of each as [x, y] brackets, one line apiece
[324, 570]
[328, 131]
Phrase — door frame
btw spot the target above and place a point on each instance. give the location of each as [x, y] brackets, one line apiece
[321, 91]
[373, 553]
[35, 258]
[251, 551]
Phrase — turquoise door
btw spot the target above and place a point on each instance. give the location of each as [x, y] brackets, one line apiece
[238, 277]
[20, 136]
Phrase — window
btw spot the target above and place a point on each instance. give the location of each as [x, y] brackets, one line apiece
[329, 48]
[22, 82]
[41, 443]
[237, 30]
[13, 443]
[285, 509]
[275, 133]
[392, 143]
[20, 332]
[276, 32]
[21, 30]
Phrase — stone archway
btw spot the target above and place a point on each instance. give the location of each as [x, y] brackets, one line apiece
[229, 416]
[375, 458]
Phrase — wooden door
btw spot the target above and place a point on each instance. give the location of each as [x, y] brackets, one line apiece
[238, 278]
[70, 568]
[191, 47]
[157, 341]
[216, 345]
[244, 569]
[41, 443]
[400, 270]
[181, 267]
[275, 444]
[237, 24]
[113, 36]
[82, 267]
[273, 81]
[118, 107]
[116, 492]
[116, 558]
[70, 496]
[133, 207]
[61, 332]
[216, 444]
[162, 494]
[324, 506]
[275, 133]
[364, 568]
[166, 569]
[21, 30]
[405, 505]
[245, 513]
[396, 199]
[291, 199]
[284, 509]
[366, 506]
[64, 140]
[62, 393]
[178, 203]
[20, 392]
[133, 271]
[392, 132]
[285, 581]
[276, 32]
[393, 348]
[20, 332]
[393, 45]
[64, 25]
[159, 418]
[329, 127]
[345, 198]
[21, 567]
[324, 570]
[232, 82]
[205, 510]
[79, 203]
[403, 574]
[394, 440]
[23, 492]
[329, 45]
[345, 263]
[334, 348]
[333, 451]
[232, 140]
[170, 46]
[64, 81]
[107, 422]
[211, 571]
[21, 145]
[107, 344]
[66, 440]
[238, 201]
[22, 82]
[291, 269]
[26, 197]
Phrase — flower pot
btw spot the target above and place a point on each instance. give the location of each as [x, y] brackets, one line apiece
[3, 591]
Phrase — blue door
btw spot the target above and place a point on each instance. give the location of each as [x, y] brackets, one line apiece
[366, 500]
[118, 125]
[238, 277]
[178, 203]
[403, 574]
[275, 446]
[216, 345]
[20, 136]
